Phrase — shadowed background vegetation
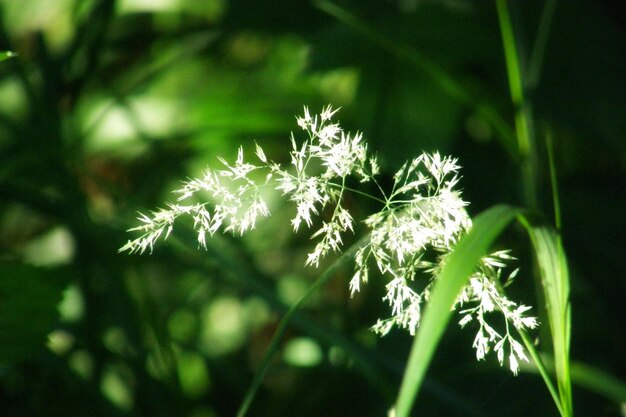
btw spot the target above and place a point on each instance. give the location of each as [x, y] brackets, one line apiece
[111, 103]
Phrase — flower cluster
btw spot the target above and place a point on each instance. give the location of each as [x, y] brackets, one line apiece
[422, 219]
[484, 294]
[423, 214]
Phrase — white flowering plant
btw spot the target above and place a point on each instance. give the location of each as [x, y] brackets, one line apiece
[410, 238]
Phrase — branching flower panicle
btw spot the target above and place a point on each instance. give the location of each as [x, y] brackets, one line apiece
[423, 218]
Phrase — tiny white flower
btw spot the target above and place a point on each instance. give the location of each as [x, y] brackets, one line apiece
[327, 113]
[513, 363]
[260, 154]
[499, 348]
[466, 319]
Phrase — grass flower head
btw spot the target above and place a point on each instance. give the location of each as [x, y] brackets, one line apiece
[423, 217]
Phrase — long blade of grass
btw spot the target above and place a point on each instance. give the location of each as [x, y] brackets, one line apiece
[454, 275]
[548, 247]
[524, 129]
[563, 398]
[554, 274]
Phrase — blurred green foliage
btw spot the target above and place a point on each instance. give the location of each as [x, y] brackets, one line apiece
[110, 103]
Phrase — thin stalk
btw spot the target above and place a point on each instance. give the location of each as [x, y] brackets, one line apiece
[523, 112]
[227, 256]
[543, 371]
[522, 120]
[359, 192]
[274, 345]
[539, 47]
[556, 204]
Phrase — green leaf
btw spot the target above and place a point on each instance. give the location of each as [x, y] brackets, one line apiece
[454, 275]
[554, 273]
[28, 308]
[4, 55]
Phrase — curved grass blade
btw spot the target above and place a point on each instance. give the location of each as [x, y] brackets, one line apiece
[554, 274]
[461, 263]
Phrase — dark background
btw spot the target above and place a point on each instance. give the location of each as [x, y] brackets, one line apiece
[110, 104]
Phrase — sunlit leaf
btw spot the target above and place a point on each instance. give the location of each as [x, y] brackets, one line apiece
[4, 55]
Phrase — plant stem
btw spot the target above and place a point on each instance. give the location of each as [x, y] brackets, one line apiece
[539, 48]
[556, 204]
[551, 264]
[523, 111]
[359, 192]
[346, 257]
[542, 370]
